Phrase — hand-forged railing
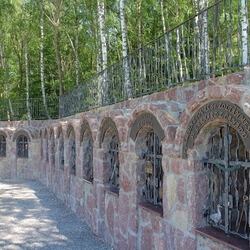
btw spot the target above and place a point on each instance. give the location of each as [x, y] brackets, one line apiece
[211, 43]
[16, 110]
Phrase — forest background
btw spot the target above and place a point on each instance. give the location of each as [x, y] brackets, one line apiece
[49, 46]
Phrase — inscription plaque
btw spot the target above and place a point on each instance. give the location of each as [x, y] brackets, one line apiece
[146, 119]
[217, 110]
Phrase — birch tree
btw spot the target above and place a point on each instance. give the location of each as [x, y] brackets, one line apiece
[103, 83]
[42, 60]
[127, 84]
[204, 39]
[244, 33]
[26, 60]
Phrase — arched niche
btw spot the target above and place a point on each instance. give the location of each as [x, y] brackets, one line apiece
[146, 119]
[21, 132]
[109, 140]
[86, 143]
[221, 111]
[148, 134]
[108, 125]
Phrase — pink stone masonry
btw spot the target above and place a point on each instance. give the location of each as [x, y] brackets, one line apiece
[117, 217]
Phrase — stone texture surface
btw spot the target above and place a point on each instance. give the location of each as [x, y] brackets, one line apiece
[116, 218]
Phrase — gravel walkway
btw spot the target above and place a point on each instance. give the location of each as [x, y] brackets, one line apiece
[31, 217]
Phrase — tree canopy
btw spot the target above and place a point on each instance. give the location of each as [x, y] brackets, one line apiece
[61, 40]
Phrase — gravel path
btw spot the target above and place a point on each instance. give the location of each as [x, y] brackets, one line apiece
[31, 217]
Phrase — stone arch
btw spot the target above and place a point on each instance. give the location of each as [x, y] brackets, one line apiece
[110, 143]
[60, 138]
[3, 134]
[148, 119]
[144, 127]
[52, 146]
[21, 132]
[22, 144]
[86, 143]
[41, 143]
[212, 108]
[108, 127]
[3, 142]
[70, 132]
[41, 133]
[46, 138]
[51, 132]
[85, 128]
[217, 110]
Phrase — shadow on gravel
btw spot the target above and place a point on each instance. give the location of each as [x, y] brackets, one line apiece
[32, 217]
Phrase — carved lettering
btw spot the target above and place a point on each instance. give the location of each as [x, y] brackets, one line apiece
[224, 110]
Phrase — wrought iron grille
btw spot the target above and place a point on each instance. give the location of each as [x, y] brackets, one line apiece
[227, 164]
[89, 160]
[2, 146]
[153, 189]
[22, 146]
[72, 159]
[61, 152]
[114, 163]
[16, 110]
[213, 42]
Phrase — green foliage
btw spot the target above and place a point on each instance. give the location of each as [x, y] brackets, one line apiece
[80, 16]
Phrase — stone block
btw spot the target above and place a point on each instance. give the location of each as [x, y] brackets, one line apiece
[125, 183]
[171, 194]
[215, 91]
[175, 167]
[146, 240]
[180, 217]
[171, 94]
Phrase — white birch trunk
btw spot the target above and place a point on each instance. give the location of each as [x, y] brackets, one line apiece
[76, 43]
[204, 40]
[26, 62]
[245, 45]
[178, 51]
[42, 61]
[127, 85]
[141, 66]
[103, 91]
[244, 33]
[196, 49]
[165, 39]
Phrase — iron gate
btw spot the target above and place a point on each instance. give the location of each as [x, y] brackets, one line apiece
[227, 164]
[153, 170]
[114, 163]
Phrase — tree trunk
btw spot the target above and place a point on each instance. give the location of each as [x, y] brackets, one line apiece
[26, 62]
[204, 40]
[244, 33]
[42, 62]
[103, 91]
[58, 58]
[127, 85]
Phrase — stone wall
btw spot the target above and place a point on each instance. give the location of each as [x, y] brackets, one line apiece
[119, 217]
